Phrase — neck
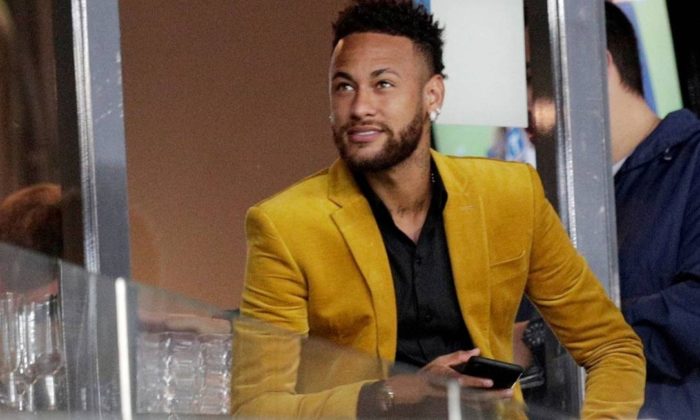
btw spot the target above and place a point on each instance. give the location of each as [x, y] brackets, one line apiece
[405, 187]
[406, 191]
[631, 125]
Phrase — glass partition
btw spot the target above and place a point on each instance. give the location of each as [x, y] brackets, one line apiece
[79, 344]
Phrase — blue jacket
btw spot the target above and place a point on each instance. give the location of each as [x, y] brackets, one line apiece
[657, 193]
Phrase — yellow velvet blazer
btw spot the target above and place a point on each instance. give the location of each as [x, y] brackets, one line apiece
[317, 265]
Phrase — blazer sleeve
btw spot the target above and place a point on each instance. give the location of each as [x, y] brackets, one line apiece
[266, 376]
[585, 321]
[274, 290]
[267, 355]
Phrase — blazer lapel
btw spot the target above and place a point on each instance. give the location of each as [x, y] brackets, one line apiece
[467, 242]
[356, 223]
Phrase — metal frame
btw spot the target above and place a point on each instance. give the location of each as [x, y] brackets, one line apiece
[569, 72]
[585, 168]
[92, 158]
[101, 131]
[91, 131]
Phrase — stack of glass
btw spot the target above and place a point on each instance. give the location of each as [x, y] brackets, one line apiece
[32, 366]
[215, 389]
[183, 372]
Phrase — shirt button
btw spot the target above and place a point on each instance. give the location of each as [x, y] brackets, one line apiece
[419, 260]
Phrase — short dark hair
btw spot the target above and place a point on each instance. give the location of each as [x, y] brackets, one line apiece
[622, 44]
[394, 17]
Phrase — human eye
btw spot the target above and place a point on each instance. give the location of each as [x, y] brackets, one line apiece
[384, 84]
[343, 87]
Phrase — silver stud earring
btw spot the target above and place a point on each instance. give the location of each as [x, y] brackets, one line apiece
[434, 115]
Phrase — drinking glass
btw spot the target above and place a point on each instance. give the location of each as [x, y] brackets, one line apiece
[45, 367]
[13, 383]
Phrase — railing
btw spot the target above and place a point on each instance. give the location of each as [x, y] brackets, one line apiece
[75, 344]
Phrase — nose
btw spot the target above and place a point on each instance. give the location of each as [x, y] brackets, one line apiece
[363, 104]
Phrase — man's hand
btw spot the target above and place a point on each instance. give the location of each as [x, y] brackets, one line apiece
[432, 378]
[441, 367]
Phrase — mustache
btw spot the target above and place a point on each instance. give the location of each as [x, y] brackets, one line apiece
[347, 127]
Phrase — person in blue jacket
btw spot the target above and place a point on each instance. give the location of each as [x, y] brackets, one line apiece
[657, 194]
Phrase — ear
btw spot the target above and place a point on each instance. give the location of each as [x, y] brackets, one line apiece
[613, 72]
[434, 93]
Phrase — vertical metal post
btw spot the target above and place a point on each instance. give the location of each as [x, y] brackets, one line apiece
[101, 131]
[569, 98]
[92, 157]
[91, 131]
[585, 173]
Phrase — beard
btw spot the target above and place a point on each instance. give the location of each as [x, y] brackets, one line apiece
[394, 151]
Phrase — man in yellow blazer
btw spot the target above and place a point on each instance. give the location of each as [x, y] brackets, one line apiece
[325, 256]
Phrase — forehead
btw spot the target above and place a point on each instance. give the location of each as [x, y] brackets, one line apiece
[368, 52]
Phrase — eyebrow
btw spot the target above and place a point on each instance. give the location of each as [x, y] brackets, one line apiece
[375, 73]
[379, 72]
[342, 75]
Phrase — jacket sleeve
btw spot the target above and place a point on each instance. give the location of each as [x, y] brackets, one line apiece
[667, 321]
[274, 289]
[266, 375]
[585, 321]
[269, 339]
[667, 324]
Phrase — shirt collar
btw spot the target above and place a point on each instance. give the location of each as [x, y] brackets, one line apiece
[616, 167]
[438, 198]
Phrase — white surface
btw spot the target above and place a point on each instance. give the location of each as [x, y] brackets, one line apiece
[120, 294]
[485, 62]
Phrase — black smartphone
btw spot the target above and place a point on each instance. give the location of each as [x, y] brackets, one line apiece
[502, 374]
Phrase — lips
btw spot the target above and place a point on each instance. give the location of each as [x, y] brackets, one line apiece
[363, 134]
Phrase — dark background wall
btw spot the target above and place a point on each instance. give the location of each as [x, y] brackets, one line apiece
[225, 103]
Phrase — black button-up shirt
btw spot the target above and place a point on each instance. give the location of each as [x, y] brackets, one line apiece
[430, 323]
